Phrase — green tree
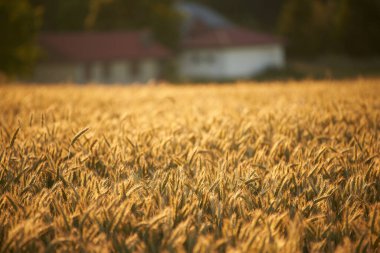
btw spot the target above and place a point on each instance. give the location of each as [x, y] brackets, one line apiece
[63, 15]
[332, 26]
[19, 23]
[158, 16]
[359, 27]
[78, 15]
[296, 24]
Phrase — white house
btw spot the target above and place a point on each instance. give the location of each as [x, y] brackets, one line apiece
[215, 49]
[211, 48]
[100, 57]
[229, 53]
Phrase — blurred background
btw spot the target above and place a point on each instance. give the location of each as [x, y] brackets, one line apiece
[126, 41]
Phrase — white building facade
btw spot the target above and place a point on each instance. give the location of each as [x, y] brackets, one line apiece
[230, 53]
[119, 71]
[211, 48]
[230, 63]
[214, 48]
[109, 57]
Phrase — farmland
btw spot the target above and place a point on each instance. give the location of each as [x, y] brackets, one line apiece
[277, 167]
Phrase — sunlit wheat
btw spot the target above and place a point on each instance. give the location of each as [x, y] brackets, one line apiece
[273, 167]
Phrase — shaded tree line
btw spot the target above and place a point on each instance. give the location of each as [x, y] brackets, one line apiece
[96, 15]
[310, 28]
[21, 20]
[350, 27]
[19, 23]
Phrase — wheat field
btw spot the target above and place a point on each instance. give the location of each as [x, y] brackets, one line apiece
[275, 167]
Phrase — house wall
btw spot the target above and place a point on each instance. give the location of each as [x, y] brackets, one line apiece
[98, 72]
[231, 63]
[202, 63]
[247, 62]
[150, 69]
[119, 72]
[54, 72]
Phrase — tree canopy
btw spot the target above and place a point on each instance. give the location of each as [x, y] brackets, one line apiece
[72, 15]
[311, 28]
[358, 27]
[158, 16]
[19, 23]
[348, 27]
[63, 15]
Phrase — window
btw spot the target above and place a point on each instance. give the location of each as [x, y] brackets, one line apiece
[195, 58]
[205, 58]
[87, 72]
[106, 71]
[135, 69]
[210, 58]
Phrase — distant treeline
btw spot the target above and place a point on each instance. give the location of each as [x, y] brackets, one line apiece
[76, 15]
[310, 28]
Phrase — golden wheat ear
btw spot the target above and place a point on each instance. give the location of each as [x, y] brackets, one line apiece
[235, 168]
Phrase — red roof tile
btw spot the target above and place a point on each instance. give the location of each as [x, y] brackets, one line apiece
[229, 37]
[101, 46]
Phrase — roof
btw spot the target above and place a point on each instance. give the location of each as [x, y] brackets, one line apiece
[194, 13]
[230, 37]
[101, 46]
